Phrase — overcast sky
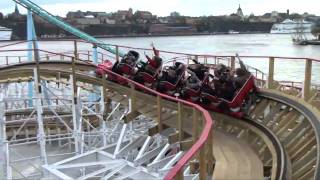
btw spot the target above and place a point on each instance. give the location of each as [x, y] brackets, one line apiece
[164, 7]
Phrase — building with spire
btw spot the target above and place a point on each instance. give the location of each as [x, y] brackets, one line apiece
[239, 11]
[16, 10]
[16, 13]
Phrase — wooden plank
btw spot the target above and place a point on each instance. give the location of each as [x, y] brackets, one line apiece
[234, 159]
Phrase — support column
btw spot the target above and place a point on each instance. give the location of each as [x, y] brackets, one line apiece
[41, 137]
[103, 110]
[30, 55]
[92, 96]
[5, 171]
[307, 80]
[41, 134]
[271, 73]
[95, 54]
[75, 116]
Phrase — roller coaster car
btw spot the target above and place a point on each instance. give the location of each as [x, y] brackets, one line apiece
[192, 94]
[148, 78]
[120, 68]
[236, 105]
[103, 67]
[170, 88]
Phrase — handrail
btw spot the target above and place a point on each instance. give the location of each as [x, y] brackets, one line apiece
[178, 53]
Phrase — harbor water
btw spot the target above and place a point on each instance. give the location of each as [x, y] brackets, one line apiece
[243, 44]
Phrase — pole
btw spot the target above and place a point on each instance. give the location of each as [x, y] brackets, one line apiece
[30, 55]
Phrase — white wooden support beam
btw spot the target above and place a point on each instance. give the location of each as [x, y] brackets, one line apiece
[144, 147]
[148, 156]
[116, 170]
[173, 160]
[119, 142]
[41, 134]
[162, 153]
[57, 173]
[132, 145]
[4, 150]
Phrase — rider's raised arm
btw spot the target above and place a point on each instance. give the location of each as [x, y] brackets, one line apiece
[155, 51]
[148, 58]
[242, 66]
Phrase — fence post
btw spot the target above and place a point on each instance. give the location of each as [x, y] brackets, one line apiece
[117, 53]
[7, 60]
[203, 164]
[133, 97]
[159, 112]
[194, 125]
[75, 50]
[95, 54]
[179, 122]
[307, 80]
[233, 63]
[271, 73]
[210, 152]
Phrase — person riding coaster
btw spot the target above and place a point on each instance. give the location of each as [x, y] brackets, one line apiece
[171, 78]
[126, 67]
[199, 69]
[198, 78]
[148, 71]
[127, 64]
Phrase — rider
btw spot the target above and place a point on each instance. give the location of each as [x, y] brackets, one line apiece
[171, 75]
[199, 69]
[153, 63]
[242, 75]
[130, 59]
[193, 82]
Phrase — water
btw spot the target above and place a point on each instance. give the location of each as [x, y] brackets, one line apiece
[244, 44]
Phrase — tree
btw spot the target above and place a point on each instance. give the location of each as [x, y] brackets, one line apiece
[316, 30]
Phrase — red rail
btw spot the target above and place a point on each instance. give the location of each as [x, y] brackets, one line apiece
[202, 138]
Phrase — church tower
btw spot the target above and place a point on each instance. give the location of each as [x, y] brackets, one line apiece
[239, 11]
[16, 10]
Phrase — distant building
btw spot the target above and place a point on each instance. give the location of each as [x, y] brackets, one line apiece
[268, 19]
[74, 15]
[87, 20]
[191, 20]
[274, 14]
[234, 17]
[163, 20]
[174, 14]
[167, 29]
[122, 15]
[143, 15]
[239, 11]
[16, 10]
[16, 14]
